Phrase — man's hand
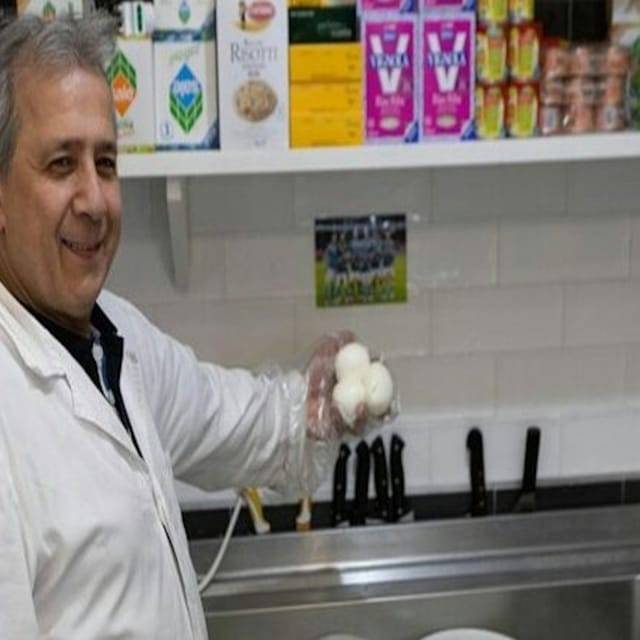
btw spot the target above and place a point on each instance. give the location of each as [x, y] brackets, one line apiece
[324, 421]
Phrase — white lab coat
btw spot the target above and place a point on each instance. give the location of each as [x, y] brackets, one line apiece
[91, 539]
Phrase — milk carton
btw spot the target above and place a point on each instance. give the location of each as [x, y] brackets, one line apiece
[190, 15]
[130, 74]
[185, 81]
[391, 82]
[253, 71]
[49, 9]
[447, 75]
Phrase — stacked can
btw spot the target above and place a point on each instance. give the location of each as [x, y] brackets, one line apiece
[583, 88]
[508, 44]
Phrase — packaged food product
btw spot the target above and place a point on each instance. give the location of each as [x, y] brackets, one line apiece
[387, 5]
[582, 89]
[322, 24]
[587, 60]
[525, 41]
[521, 10]
[491, 111]
[552, 91]
[612, 89]
[496, 11]
[447, 75]
[551, 119]
[491, 53]
[579, 118]
[618, 60]
[556, 61]
[610, 117]
[390, 68]
[523, 110]
[427, 6]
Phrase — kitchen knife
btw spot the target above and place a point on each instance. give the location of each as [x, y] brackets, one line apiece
[361, 494]
[401, 509]
[526, 501]
[381, 482]
[476, 468]
[339, 502]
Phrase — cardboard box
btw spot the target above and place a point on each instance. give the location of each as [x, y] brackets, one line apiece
[186, 96]
[448, 75]
[49, 9]
[391, 77]
[130, 74]
[186, 15]
[340, 62]
[254, 85]
[326, 129]
[314, 97]
[322, 24]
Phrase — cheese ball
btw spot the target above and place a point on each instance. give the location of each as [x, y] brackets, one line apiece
[378, 386]
[353, 358]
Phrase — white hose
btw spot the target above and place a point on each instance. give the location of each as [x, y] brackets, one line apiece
[206, 580]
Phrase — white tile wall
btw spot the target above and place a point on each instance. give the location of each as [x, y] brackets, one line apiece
[524, 302]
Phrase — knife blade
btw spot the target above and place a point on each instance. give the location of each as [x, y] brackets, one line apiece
[339, 517]
[402, 511]
[361, 493]
[526, 501]
[476, 468]
[382, 511]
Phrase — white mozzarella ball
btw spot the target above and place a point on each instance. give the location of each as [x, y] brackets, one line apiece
[348, 394]
[378, 386]
[353, 358]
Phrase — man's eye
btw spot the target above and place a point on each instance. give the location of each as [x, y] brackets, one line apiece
[63, 163]
[107, 165]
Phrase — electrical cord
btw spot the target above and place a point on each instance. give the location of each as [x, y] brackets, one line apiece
[206, 580]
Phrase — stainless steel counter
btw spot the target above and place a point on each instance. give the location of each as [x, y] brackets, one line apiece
[555, 575]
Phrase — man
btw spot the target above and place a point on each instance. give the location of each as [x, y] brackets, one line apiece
[99, 410]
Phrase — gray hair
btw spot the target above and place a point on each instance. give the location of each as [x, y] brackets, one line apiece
[29, 42]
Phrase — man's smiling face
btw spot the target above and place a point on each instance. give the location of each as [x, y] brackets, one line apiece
[60, 204]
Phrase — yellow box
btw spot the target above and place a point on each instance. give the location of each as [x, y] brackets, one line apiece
[326, 129]
[312, 97]
[325, 62]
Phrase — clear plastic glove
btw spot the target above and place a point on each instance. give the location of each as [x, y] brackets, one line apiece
[324, 421]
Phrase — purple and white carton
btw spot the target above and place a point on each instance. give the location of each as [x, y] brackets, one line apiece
[447, 43]
[390, 75]
[401, 6]
[429, 6]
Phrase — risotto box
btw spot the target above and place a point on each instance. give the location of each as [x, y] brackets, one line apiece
[253, 74]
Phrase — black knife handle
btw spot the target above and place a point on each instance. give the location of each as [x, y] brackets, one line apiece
[531, 460]
[476, 466]
[361, 493]
[398, 498]
[338, 505]
[380, 478]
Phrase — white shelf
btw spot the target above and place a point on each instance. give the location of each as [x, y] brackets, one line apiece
[378, 157]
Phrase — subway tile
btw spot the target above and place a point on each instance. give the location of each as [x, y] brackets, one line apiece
[456, 255]
[607, 187]
[356, 193]
[635, 247]
[142, 271]
[503, 452]
[138, 215]
[269, 265]
[601, 445]
[632, 375]
[444, 386]
[207, 268]
[563, 250]
[487, 319]
[602, 313]
[251, 333]
[499, 192]
[389, 329]
[237, 204]
[552, 381]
